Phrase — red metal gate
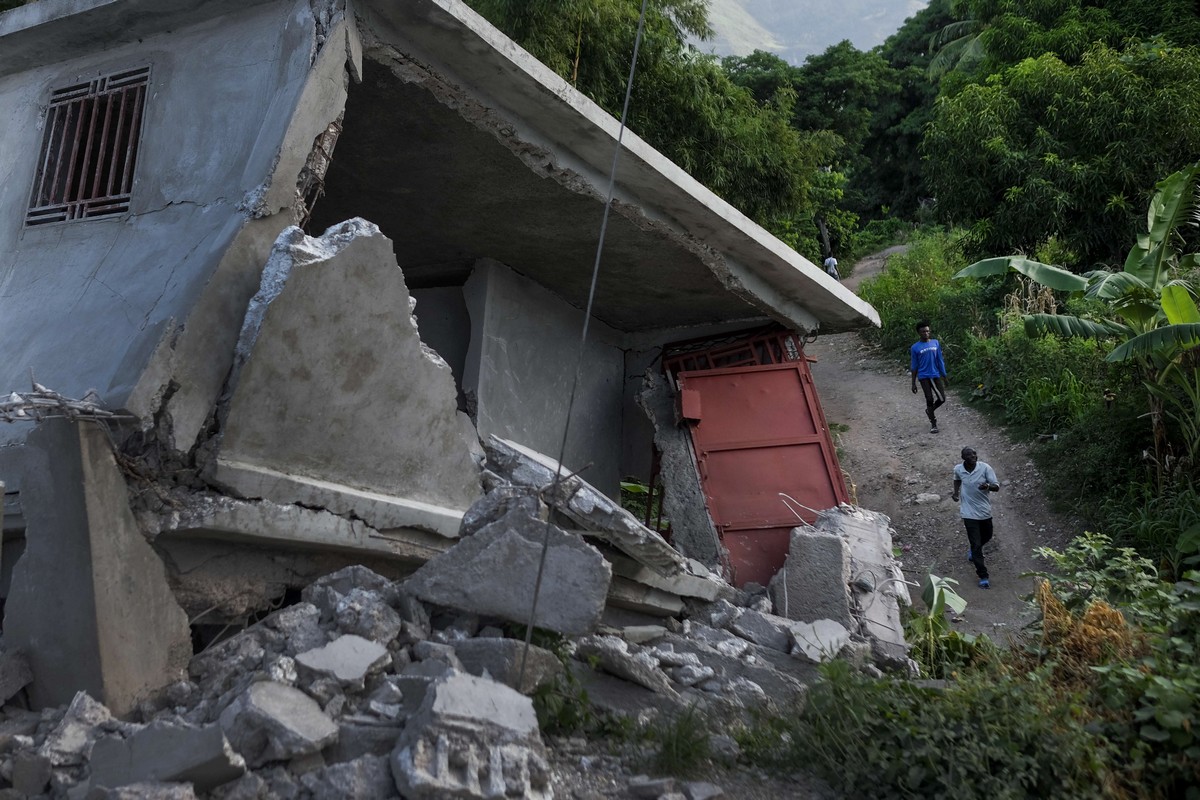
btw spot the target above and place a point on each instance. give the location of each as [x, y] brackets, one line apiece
[759, 432]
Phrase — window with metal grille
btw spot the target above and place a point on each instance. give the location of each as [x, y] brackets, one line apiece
[89, 150]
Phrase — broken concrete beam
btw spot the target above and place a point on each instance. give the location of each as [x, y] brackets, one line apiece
[694, 580]
[692, 529]
[635, 665]
[585, 505]
[111, 626]
[500, 660]
[273, 722]
[167, 752]
[495, 572]
[268, 523]
[634, 596]
[348, 659]
[472, 738]
[15, 674]
[327, 342]
[814, 581]
[819, 641]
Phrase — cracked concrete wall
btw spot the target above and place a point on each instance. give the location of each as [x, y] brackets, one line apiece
[520, 367]
[221, 100]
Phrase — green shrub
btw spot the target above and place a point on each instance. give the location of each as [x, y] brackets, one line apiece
[682, 742]
[987, 736]
[917, 285]
[1154, 522]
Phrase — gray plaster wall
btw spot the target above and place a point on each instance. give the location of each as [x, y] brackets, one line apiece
[84, 304]
[90, 604]
[445, 325]
[520, 367]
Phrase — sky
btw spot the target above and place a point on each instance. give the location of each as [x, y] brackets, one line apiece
[794, 29]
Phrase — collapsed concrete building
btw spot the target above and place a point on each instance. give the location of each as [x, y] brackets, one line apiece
[312, 253]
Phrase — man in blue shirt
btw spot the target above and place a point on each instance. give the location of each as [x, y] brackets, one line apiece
[974, 482]
[928, 366]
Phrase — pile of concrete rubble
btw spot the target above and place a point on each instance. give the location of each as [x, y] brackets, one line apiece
[422, 688]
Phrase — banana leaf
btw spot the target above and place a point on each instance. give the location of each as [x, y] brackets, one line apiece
[1045, 274]
[1172, 206]
[1067, 326]
[1178, 305]
[1167, 339]
[1111, 285]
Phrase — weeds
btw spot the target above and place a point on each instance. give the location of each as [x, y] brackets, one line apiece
[682, 743]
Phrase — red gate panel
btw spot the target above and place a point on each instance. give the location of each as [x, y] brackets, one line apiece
[759, 432]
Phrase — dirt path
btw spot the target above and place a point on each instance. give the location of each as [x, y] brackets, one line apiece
[892, 458]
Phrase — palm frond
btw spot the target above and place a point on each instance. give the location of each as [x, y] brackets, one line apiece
[1157, 342]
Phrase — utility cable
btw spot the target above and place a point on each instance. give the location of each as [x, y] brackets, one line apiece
[587, 318]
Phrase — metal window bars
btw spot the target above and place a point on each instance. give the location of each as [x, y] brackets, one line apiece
[89, 149]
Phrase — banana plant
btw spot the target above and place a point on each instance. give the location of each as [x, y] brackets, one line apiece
[1153, 315]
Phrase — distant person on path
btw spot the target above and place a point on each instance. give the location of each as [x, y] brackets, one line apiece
[929, 367]
[831, 267]
[974, 482]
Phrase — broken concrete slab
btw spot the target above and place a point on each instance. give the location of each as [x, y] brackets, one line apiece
[819, 641]
[167, 752]
[633, 596]
[348, 659]
[500, 660]
[589, 508]
[814, 581]
[472, 738]
[693, 580]
[495, 572]
[273, 722]
[331, 330]
[766, 630]
[112, 625]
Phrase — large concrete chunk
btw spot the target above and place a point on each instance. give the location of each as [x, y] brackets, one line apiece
[367, 776]
[328, 342]
[165, 752]
[495, 571]
[72, 738]
[273, 722]
[109, 624]
[589, 508]
[814, 581]
[877, 586]
[15, 673]
[347, 659]
[472, 738]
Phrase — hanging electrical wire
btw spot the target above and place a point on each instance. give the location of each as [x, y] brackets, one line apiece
[587, 317]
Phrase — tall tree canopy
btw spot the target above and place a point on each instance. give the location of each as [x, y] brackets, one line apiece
[1046, 148]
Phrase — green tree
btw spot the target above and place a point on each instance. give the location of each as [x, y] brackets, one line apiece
[1046, 149]
[1151, 311]
[683, 103]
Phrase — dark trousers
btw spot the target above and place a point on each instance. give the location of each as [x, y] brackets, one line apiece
[935, 395]
[979, 533]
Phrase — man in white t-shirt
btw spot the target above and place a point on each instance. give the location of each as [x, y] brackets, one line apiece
[831, 267]
[974, 482]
